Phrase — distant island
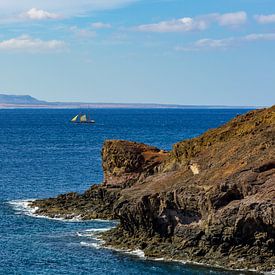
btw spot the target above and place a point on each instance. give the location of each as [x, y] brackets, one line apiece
[27, 101]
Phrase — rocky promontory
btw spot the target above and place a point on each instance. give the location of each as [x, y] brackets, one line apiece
[210, 200]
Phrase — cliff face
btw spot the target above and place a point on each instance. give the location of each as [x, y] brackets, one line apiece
[211, 199]
[125, 162]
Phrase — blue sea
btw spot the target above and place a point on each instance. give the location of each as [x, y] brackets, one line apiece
[42, 155]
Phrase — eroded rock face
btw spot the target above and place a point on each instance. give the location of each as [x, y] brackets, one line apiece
[211, 199]
[125, 162]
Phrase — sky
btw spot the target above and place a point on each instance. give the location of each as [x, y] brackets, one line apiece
[194, 52]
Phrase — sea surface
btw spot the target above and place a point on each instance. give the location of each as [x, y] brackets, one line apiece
[42, 155]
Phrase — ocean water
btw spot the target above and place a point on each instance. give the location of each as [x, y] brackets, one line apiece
[42, 155]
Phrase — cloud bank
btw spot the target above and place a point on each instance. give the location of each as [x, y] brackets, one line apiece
[231, 19]
[36, 14]
[225, 43]
[184, 24]
[265, 19]
[26, 43]
[100, 25]
[82, 33]
[198, 23]
[65, 7]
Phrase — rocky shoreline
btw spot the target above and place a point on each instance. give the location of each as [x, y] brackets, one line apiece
[210, 200]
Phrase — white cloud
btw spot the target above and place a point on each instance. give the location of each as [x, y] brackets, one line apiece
[214, 43]
[265, 19]
[26, 43]
[100, 25]
[83, 33]
[36, 14]
[232, 19]
[260, 37]
[66, 7]
[184, 24]
[199, 23]
[208, 43]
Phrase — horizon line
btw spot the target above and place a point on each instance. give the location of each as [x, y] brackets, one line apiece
[34, 102]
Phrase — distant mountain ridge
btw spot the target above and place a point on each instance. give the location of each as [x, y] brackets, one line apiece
[27, 101]
[20, 99]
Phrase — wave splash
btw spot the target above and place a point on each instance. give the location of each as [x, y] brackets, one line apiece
[23, 207]
[91, 236]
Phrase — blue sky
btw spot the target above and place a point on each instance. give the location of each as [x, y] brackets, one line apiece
[145, 51]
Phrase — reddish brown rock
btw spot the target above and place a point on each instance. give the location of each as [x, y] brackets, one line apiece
[126, 162]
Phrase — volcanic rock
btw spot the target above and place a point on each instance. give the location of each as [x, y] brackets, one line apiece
[210, 200]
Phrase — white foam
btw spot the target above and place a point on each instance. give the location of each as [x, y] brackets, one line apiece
[138, 252]
[86, 234]
[93, 245]
[23, 207]
[81, 234]
[73, 219]
[159, 259]
[93, 232]
[62, 219]
[99, 243]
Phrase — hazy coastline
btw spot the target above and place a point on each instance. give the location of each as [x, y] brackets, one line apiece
[29, 102]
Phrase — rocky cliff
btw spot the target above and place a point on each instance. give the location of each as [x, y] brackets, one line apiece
[124, 164]
[210, 200]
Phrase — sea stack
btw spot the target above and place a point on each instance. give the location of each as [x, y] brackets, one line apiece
[210, 200]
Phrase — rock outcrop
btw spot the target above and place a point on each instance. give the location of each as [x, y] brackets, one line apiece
[124, 162]
[210, 200]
